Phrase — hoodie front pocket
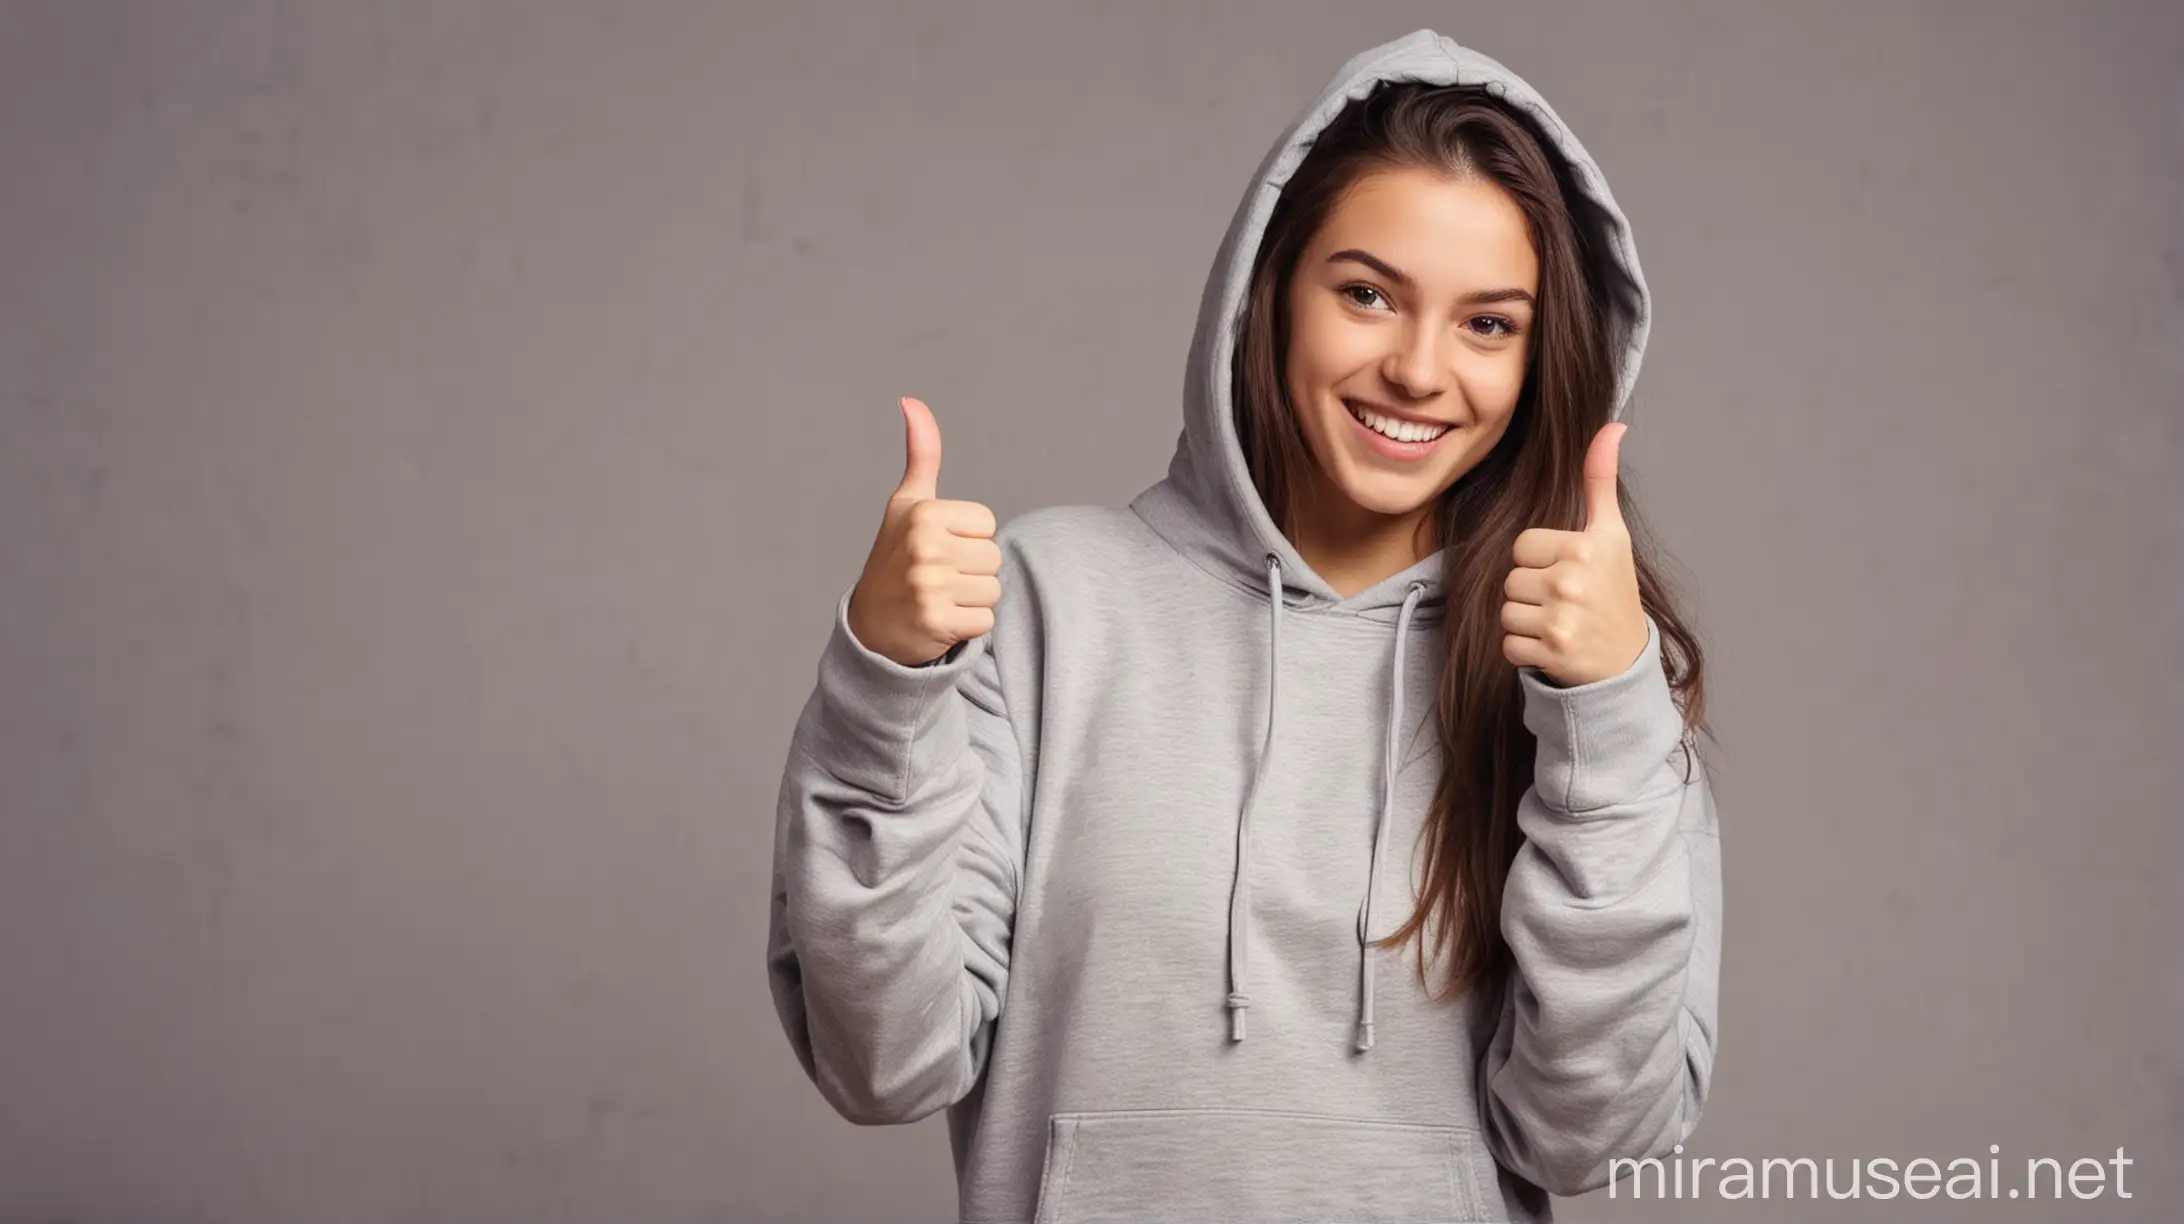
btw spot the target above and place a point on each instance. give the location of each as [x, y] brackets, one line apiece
[1145, 1165]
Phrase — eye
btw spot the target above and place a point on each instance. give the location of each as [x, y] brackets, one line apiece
[1358, 286]
[1508, 326]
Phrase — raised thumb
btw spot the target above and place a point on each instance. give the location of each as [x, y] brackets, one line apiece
[1603, 508]
[921, 463]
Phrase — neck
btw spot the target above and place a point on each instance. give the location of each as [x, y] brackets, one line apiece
[1352, 547]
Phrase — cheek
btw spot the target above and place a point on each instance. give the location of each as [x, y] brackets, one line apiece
[1325, 348]
[1495, 389]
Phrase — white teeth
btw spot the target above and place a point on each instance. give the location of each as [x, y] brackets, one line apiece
[1401, 431]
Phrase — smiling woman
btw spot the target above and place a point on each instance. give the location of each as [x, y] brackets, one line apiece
[1102, 829]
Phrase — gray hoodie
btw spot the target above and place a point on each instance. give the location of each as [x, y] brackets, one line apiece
[1098, 883]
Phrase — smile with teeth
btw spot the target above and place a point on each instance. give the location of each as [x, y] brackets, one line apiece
[1400, 430]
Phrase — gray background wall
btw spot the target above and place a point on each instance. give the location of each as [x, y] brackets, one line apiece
[432, 435]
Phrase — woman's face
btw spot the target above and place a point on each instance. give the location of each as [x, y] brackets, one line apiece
[1415, 301]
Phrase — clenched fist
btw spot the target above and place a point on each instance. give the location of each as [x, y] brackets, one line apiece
[933, 577]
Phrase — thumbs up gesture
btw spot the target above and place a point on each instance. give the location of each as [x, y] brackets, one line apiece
[1573, 608]
[932, 578]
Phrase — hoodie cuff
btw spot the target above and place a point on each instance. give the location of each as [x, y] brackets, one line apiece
[1601, 744]
[876, 712]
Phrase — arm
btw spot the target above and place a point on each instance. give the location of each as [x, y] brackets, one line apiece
[897, 843]
[1612, 909]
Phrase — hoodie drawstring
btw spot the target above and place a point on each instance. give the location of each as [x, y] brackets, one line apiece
[1240, 891]
[1380, 826]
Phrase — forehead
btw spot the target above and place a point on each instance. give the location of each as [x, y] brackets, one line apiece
[1444, 232]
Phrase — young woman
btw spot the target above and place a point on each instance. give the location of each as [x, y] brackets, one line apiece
[1323, 835]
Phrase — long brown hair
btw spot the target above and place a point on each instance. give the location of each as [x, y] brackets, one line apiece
[1532, 478]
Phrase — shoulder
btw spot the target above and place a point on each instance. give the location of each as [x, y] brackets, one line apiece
[1068, 534]
[1074, 562]
[1060, 570]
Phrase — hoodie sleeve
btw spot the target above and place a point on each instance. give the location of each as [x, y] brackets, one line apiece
[1612, 910]
[897, 846]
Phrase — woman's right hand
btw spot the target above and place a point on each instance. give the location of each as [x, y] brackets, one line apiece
[933, 577]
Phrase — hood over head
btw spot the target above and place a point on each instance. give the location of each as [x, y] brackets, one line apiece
[1208, 508]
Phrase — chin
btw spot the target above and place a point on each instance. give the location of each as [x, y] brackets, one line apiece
[1391, 496]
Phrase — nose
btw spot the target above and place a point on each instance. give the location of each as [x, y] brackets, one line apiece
[1415, 363]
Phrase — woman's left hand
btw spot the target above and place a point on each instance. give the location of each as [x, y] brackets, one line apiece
[1573, 609]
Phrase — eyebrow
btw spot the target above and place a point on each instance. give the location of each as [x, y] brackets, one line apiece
[1477, 297]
